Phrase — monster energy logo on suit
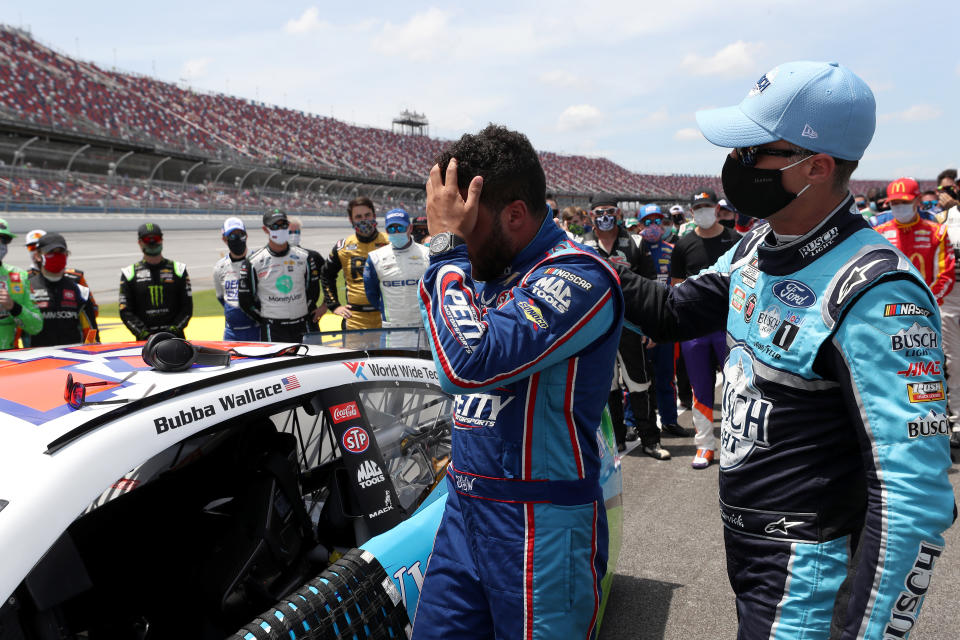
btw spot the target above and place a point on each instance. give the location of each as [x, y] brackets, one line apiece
[375, 496]
[156, 294]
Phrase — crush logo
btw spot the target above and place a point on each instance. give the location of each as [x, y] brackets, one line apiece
[478, 409]
[925, 392]
[794, 293]
[932, 424]
[906, 607]
[369, 474]
[554, 291]
[916, 337]
[355, 440]
[768, 320]
[343, 412]
[459, 313]
[745, 411]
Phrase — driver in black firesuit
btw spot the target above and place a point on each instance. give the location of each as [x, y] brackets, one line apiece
[66, 306]
[154, 292]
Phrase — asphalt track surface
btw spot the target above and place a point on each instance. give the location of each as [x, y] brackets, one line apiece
[670, 581]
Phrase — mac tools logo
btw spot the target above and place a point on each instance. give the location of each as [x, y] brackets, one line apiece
[745, 411]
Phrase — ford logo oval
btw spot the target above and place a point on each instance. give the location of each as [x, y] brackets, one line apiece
[794, 294]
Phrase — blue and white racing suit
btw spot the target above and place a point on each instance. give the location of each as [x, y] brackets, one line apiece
[834, 439]
[237, 325]
[522, 546]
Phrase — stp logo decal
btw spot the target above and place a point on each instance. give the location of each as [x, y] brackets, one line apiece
[343, 412]
[794, 293]
[355, 440]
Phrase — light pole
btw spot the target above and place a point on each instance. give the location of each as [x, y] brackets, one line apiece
[183, 185]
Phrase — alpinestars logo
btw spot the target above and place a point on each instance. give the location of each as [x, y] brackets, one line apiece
[369, 474]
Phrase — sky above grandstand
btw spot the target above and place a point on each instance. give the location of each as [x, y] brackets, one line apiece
[620, 79]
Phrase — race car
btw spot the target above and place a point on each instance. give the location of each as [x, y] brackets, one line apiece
[278, 492]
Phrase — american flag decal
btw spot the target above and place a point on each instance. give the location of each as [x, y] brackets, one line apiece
[290, 383]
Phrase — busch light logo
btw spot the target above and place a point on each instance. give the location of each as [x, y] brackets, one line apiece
[914, 338]
[745, 411]
[794, 294]
[906, 607]
[932, 424]
[768, 320]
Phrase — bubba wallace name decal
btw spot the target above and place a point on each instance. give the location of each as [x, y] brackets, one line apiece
[227, 402]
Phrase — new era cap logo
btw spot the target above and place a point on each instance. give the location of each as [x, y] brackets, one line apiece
[808, 132]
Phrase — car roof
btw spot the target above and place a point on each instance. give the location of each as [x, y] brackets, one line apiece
[55, 460]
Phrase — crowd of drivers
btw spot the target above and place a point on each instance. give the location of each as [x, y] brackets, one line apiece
[279, 291]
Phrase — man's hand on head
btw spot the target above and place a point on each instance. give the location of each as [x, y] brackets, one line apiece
[446, 208]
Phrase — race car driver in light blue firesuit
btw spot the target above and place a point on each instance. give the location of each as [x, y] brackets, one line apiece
[522, 546]
[834, 439]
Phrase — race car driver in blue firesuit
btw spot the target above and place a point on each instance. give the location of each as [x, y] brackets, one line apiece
[834, 438]
[524, 326]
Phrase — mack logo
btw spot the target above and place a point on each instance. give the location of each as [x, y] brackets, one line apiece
[479, 409]
[369, 474]
[355, 440]
[465, 483]
[745, 411]
[768, 320]
[906, 607]
[343, 412]
[818, 244]
[916, 337]
[794, 294]
[570, 277]
[554, 292]
[916, 369]
[932, 424]
[459, 313]
[925, 392]
[905, 309]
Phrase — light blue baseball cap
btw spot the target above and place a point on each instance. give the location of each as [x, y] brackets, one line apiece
[397, 216]
[820, 106]
[650, 210]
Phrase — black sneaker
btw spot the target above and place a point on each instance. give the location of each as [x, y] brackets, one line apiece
[656, 451]
[631, 435]
[675, 430]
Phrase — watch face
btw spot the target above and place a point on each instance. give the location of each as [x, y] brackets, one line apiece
[439, 243]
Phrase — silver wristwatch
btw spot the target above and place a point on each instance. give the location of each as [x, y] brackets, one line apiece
[444, 242]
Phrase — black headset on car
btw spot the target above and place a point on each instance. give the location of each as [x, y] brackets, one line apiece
[166, 352]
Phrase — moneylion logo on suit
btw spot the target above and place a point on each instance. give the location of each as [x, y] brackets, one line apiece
[745, 410]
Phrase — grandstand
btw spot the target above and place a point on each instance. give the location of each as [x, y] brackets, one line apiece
[74, 136]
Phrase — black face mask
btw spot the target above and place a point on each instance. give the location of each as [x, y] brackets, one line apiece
[758, 193]
[237, 246]
[729, 224]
